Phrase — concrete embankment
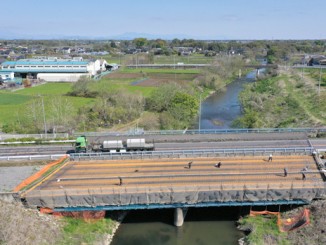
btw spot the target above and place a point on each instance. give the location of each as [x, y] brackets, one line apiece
[10, 197]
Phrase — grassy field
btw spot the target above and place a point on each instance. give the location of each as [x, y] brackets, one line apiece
[12, 104]
[77, 231]
[116, 83]
[160, 71]
[162, 59]
[126, 78]
[191, 59]
[13, 99]
[287, 100]
[47, 89]
[264, 230]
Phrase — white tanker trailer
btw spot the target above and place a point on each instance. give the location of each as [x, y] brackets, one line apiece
[122, 146]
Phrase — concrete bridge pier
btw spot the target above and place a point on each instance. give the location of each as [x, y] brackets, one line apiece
[179, 216]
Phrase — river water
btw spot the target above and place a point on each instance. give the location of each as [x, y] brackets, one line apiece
[220, 109]
[202, 226]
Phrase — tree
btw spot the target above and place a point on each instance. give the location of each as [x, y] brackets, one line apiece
[113, 45]
[150, 121]
[160, 99]
[82, 88]
[112, 107]
[159, 43]
[140, 42]
[61, 114]
[184, 108]
[250, 119]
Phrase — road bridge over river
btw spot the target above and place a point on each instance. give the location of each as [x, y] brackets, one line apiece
[161, 182]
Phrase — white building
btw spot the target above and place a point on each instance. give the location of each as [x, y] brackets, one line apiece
[7, 75]
[53, 69]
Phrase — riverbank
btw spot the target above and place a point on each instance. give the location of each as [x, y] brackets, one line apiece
[286, 100]
[28, 222]
[117, 219]
[264, 229]
[19, 225]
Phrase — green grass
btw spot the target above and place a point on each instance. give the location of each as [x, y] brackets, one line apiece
[15, 104]
[263, 228]
[113, 84]
[191, 59]
[162, 59]
[13, 99]
[178, 74]
[77, 231]
[47, 89]
[146, 91]
[162, 71]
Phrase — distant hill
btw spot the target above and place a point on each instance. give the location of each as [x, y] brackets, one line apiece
[5, 35]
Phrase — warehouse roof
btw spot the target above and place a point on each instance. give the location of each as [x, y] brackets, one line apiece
[44, 62]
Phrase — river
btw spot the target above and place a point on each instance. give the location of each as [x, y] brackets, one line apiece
[220, 109]
[202, 226]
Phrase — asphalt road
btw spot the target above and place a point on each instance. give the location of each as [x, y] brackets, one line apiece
[163, 145]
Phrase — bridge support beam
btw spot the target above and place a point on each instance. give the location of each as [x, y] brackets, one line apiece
[179, 216]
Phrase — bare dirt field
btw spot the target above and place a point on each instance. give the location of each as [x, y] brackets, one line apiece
[156, 82]
[124, 75]
[154, 79]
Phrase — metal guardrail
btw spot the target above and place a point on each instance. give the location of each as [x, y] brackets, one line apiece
[167, 154]
[32, 157]
[34, 142]
[36, 136]
[168, 132]
[207, 131]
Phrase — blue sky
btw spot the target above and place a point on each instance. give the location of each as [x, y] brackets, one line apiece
[200, 19]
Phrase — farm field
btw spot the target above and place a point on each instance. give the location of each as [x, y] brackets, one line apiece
[143, 81]
[12, 104]
[146, 80]
[191, 59]
[161, 59]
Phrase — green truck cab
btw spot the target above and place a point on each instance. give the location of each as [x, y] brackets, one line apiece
[81, 144]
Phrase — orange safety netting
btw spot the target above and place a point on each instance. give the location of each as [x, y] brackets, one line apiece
[296, 222]
[37, 175]
[87, 216]
[288, 224]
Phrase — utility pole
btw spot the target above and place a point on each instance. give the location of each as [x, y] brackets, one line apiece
[199, 113]
[44, 121]
[319, 81]
[175, 76]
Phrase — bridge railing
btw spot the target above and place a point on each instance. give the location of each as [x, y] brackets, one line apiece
[31, 157]
[35, 136]
[167, 132]
[187, 153]
[165, 154]
[207, 131]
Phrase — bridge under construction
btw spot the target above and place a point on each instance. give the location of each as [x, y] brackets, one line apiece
[177, 182]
